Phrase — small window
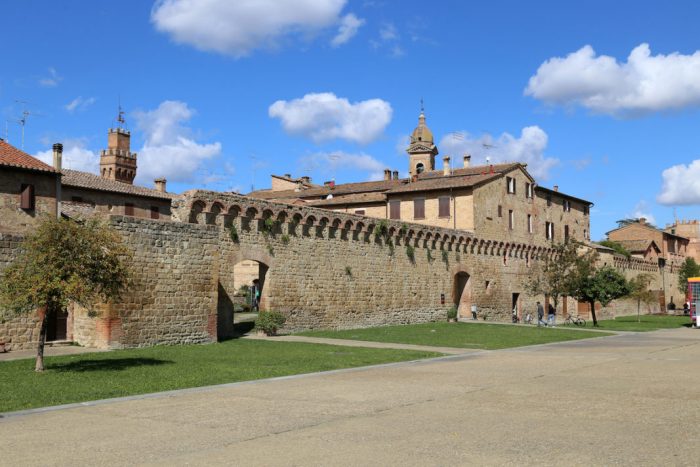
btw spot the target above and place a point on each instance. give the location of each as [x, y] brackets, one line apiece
[500, 211]
[567, 205]
[155, 212]
[360, 212]
[26, 197]
[510, 184]
[549, 200]
[419, 208]
[420, 168]
[394, 209]
[549, 230]
[511, 219]
[566, 234]
[529, 223]
[444, 206]
[528, 190]
[128, 209]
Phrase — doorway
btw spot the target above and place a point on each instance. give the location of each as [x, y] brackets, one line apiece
[57, 326]
[515, 305]
[462, 297]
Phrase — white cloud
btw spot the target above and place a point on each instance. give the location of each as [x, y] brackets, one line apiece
[528, 148]
[169, 149]
[388, 41]
[349, 25]
[75, 156]
[388, 32]
[329, 162]
[79, 103]
[642, 210]
[645, 83]
[323, 117]
[238, 27]
[52, 80]
[681, 185]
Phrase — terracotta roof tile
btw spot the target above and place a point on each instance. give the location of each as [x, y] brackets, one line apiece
[441, 183]
[473, 170]
[354, 198]
[90, 181]
[635, 246]
[13, 157]
[323, 191]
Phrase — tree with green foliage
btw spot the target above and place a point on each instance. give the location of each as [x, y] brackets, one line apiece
[688, 269]
[62, 262]
[639, 290]
[590, 284]
[619, 249]
[550, 276]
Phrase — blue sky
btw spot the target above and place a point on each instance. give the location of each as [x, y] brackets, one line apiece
[600, 98]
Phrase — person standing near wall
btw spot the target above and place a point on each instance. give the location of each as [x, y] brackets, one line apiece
[551, 315]
[255, 295]
[474, 310]
[540, 315]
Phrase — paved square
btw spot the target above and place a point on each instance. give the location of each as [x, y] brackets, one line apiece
[630, 399]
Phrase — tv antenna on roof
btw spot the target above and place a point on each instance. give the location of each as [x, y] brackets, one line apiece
[121, 121]
[23, 120]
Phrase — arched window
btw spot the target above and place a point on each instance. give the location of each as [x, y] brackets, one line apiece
[420, 168]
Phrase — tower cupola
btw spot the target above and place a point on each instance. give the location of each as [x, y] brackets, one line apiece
[422, 149]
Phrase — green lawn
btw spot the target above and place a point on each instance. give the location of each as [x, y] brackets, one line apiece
[465, 335]
[647, 323]
[95, 376]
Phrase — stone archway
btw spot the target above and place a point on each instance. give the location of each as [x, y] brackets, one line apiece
[241, 268]
[462, 292]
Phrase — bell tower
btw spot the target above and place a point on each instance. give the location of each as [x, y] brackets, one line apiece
[117, 162]
[422, 150]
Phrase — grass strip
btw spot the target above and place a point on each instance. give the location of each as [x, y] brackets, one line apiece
[79, 378]
[460, 335]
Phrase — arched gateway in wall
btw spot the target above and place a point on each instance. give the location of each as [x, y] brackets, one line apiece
[462, 291]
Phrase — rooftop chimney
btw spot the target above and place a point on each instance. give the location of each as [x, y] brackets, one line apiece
[556, 187]
[642, 220]
[387, 174]
[287, 175]
[160, 184]
[467, 160]
[57, 156]
[306, 179]
[446, 166]
[396, 174]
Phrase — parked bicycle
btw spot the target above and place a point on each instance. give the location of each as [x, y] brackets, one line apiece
[575, 320]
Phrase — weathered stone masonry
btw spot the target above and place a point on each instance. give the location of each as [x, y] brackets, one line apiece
[325, 269]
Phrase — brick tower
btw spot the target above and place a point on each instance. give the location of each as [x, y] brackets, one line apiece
[117, 162]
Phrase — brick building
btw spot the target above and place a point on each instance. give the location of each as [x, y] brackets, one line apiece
[500, 200]
[672, 248]
[28, 189]
[689, 229]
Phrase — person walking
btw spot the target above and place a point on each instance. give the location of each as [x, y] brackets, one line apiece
[255, 296]
[540, 315]
[474, 310]
[551, 315]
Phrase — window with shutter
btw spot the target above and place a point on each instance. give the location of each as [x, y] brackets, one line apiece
[360, 211]
[128, 209]
[394, 209]
[26, 197]
[444, 206]
[419, 208]
[511, 219]
[155, 212]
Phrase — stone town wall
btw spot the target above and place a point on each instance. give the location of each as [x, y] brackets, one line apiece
[329, 269]
[20, 332]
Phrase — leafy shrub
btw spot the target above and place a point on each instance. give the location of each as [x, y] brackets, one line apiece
[445, 258]
[411, 252]
[285, 239]
[452, 313]
[233, 233]
[381, 229]
[269, 322]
